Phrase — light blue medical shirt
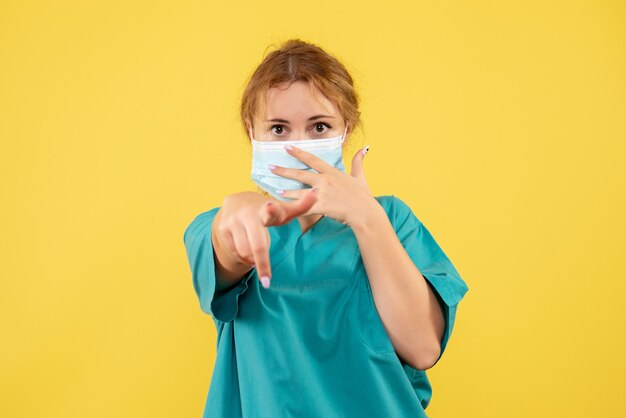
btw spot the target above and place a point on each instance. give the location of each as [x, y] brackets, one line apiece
[313, 344]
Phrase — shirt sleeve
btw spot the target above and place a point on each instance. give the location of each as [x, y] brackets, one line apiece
[432, 262]
[223, 305]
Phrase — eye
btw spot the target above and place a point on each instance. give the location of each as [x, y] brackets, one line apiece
[319, 127]
[279, 127]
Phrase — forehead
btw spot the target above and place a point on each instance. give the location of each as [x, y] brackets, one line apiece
[293, 100]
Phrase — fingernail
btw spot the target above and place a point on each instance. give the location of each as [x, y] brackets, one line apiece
[288, 147]
[364, 150]
[314, 190]
[280, 192]
[271, 166]
[265, 281]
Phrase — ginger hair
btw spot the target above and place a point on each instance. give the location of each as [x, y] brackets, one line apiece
[297, 60]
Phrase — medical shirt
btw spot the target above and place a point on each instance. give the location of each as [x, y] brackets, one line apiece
[313, 344]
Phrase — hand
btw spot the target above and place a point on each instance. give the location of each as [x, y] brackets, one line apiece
[242, 228]
[346, 198]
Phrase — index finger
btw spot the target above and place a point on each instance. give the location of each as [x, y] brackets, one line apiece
[310, 159]
[259, 241]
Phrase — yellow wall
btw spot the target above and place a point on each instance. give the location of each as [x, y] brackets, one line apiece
[502, 124]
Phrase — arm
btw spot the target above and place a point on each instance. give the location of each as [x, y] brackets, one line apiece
[418, 318]
[407, 305]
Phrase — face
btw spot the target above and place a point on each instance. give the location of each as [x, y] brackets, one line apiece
[296, 112]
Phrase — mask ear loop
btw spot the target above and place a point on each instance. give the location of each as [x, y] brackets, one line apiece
[343, 137]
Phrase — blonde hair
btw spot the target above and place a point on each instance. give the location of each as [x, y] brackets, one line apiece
[297, 60]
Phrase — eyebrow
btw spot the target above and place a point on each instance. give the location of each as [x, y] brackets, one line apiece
[311, 118]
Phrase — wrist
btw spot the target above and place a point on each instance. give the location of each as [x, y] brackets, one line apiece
[371, 216]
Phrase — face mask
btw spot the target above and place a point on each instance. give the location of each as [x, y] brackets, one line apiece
[274, 152]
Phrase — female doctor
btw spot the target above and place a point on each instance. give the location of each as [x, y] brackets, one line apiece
[328, 301]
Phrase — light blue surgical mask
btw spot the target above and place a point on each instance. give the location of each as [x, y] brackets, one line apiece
[265, 153]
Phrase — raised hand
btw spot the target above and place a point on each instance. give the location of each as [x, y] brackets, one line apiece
[343, 197]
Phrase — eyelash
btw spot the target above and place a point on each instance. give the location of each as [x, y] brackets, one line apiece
[319, 123]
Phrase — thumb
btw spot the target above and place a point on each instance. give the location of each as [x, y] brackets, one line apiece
[270, 213]
[357, 163]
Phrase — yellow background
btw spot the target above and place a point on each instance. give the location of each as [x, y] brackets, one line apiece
[502, 125]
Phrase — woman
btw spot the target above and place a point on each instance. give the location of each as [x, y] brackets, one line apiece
[328, 301]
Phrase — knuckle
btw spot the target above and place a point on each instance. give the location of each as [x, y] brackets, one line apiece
[231, 247]
[258, 248]
[223, 228]
[247, 257]
[228, 222]
[243, 251]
